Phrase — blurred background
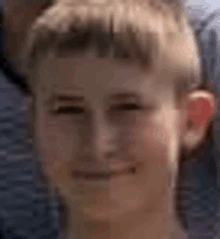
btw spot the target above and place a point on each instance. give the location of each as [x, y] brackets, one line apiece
[27, 213]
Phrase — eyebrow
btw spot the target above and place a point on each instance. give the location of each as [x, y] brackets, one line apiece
[136, 97]
[77, 98]
[66, 97]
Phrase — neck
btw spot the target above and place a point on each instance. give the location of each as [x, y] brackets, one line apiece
[163, 225]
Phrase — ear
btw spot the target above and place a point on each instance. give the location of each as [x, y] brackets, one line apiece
[200, 113]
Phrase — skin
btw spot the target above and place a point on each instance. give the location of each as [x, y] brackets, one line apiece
[147, 134]
[144, 203]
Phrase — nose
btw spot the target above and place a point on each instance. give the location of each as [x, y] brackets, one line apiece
[102, 147]
[105, 140]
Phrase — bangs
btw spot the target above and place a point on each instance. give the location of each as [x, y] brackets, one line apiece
[159, 38]
[122, 31]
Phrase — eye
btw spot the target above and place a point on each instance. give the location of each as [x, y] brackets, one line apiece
[70, 110]
[126, 107]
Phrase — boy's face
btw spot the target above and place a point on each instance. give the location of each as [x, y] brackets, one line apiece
[117, 117]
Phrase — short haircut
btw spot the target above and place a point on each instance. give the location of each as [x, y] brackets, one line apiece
[135, 30]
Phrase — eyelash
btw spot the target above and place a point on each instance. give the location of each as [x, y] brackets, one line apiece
[70, 110]
[126, 107]
[79, 110]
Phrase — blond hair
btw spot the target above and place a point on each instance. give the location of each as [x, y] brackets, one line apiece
[141, 31]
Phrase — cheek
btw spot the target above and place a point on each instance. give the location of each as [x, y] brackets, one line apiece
[151, 140]
[57, 143]
[156, 144]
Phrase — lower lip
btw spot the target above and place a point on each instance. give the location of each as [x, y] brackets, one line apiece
[115, 180]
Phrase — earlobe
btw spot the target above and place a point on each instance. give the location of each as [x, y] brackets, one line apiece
[200, 112]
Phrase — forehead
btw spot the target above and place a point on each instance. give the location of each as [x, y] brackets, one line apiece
[96, 77]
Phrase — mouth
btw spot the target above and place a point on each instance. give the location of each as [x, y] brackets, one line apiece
[103, 175]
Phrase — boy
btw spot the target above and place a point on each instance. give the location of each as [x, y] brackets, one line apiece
[115, 99]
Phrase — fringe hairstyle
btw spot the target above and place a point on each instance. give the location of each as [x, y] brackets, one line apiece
[134, 30]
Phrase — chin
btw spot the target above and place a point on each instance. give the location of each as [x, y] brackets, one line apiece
[104, 208]
[105, 214]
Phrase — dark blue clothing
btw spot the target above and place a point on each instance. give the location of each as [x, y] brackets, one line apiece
[24, 212]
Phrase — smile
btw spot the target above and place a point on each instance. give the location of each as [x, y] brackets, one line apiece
[101, 176]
